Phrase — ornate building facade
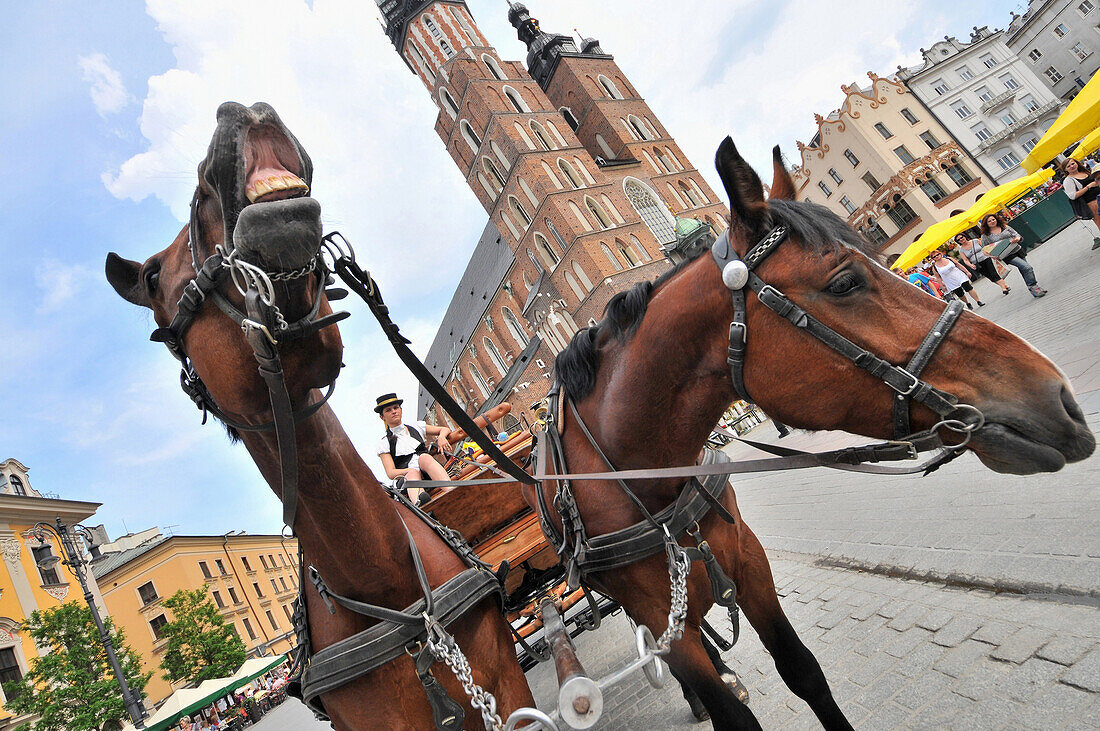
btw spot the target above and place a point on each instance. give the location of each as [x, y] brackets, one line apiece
[1058, 39]
[990, 99]
[24, 585]
[582, 184]
[886, 165]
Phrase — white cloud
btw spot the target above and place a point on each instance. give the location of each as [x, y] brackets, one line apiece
[109, 94]
[60, 283]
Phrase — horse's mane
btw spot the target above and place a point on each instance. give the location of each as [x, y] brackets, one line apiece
[813, 226]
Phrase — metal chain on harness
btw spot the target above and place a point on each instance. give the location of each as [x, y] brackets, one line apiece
[443, 646]
[679, 565]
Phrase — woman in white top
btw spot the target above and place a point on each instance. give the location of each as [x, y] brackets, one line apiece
[954, 279]
[974, 258]
[403, 450]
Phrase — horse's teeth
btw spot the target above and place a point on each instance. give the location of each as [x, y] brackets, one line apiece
[259, 188]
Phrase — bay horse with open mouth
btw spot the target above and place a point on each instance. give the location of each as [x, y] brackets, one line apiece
[659, 365]
[252, 206]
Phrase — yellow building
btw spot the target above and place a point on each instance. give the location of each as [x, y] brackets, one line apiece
[24, 587]
[252, 579]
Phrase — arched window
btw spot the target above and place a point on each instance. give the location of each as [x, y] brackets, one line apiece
[457, 393]
[690, 194]
[469, 135]
[598, 211]
[637, 245]
[494, 67]
[494, 355]
[610, 208]
[699, 191]
[630, 129]
[604, 147]
[500, 155]
[518, 209]
[665, 165]
[579, 271]
[675, 196]
[651, 163]
[550, 174]
[432, 27]
[513, 327]
[546, 252]
[448, 103]
[529, 193]
[495, 178]
[424, 66]
[584, 171]
[573, 285]
[481, 384]
[446, 48]
[675, 160]
[611, 257]
[523, 134]
[511, 226]
[526, 282]
[580, 216]
[630, 256]
[535, 260]
[540, 134]
[557, 235]
[651, 210]
[570, 118]
[639, 128]
[465, 24]
[571, 174]
[517, 99]
[17, 487]
[490, 189]
[557, 135]
[609, 87]
[654, 134]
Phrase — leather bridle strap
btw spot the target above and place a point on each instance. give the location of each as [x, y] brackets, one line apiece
[916, 365]
[737, 274]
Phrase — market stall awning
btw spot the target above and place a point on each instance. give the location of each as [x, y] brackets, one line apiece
[933, 238]
[1081, 117]
[1087, 146]
[191, 700]
[993, 200]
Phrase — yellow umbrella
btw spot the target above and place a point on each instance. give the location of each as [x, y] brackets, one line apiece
[1080, 118]
[1088, 145]
[934, 237]
[996, 198]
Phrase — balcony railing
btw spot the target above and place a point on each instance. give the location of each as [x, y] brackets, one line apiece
[997, 101]
[1017, 126]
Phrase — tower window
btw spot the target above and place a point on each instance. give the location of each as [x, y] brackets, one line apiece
[597, 210]
[494, 67]
[557, 234]
[517, 208]
[448, 103]
[611, 257]
[570, 118]
[432, 27]
[540, 134]
[514, 327]
[546, 253]
[494, 174]
[609, 86]
[494, 356]
[651, 210]
[571, 175]
[517, 99]
[469, 135]
[630, 256]
[639, 128]
[446, 48]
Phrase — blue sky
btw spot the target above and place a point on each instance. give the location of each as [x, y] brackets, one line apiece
[111, 106]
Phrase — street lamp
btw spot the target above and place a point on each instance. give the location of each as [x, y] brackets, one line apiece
[74, 559]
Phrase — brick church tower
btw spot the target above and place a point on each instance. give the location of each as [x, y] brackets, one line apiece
[586, 192]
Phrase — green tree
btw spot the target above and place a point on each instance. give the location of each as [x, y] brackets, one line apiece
[200, 644]
[72, 688]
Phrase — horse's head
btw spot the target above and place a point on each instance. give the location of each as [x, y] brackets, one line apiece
[252, 209]
[1032, 420]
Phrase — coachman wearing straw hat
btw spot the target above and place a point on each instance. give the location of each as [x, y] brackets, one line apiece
[403, 449]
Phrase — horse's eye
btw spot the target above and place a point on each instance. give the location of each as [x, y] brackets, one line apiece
[844, 283]
[151, 279]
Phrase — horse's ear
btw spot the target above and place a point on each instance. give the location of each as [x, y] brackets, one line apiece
[782, 185]
[125, 276]
[743, 186]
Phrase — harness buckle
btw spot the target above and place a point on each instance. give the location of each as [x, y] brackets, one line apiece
[248, 325]
[744, 330]
[908, 391]
[771, 297]
[909, 446]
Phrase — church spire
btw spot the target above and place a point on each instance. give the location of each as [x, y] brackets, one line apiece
[544, 50]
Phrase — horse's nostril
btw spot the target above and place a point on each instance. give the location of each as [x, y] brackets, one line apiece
[1069, 403]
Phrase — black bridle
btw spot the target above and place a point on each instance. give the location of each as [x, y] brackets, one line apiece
[738, 273]
[264, 327]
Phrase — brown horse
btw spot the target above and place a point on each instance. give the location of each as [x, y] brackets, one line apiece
[256, 173]
[652, 380]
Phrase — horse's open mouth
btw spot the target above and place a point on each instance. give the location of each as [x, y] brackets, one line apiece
[272, 166]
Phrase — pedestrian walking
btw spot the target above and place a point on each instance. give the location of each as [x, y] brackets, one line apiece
[954, 279]
[996, 232]
[1082, 189]
[976, 260]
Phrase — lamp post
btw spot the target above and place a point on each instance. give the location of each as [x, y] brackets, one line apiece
[74, 559]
